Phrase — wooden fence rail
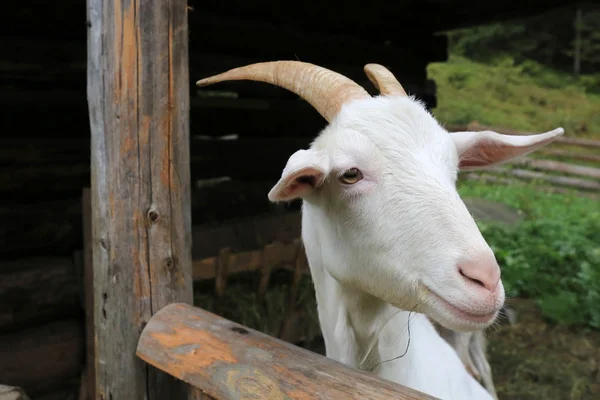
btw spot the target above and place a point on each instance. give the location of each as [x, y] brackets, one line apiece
[225, 361]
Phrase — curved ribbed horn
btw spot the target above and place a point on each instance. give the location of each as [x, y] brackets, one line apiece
[385, 82]
[325, 90]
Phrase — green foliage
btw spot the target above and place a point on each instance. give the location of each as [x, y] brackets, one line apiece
[525, 96]
[589, 39]
[552, 256]
[549, 39]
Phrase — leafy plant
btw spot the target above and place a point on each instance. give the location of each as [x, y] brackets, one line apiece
[552, 256]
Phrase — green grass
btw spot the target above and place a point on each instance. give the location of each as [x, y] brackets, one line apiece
[526, 97]
[553, 256]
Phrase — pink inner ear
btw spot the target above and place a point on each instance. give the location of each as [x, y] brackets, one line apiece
[484, 152]
[488, 152]
[299, 184]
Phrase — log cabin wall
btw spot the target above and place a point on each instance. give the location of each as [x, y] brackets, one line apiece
[242, 133]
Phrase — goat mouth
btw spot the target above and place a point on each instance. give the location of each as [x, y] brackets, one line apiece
[462, 314]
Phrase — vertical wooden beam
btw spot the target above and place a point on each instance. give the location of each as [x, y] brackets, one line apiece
[138, 94]
[89, 376]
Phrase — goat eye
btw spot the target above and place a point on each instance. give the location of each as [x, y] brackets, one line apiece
[351, 176]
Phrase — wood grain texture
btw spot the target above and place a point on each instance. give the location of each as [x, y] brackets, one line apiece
[58, 224]
[228, 361]
[567, 168]
[299, 269]
[138, 95]
[89, 377]
[272, 257]
[198, 394]
[565, 181]
[571, 155]
[246, 234]
[12, 393]
[42, 229]
[44, 358]
[37, 290]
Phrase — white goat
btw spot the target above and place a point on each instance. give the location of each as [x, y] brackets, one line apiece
[388, 239]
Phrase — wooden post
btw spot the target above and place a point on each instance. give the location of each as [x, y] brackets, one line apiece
[138, 95]
[89, 376]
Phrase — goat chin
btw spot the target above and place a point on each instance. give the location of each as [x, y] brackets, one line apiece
[454, 318]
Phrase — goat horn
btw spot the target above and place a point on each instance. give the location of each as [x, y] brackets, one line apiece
[325, 90]
[385, 82]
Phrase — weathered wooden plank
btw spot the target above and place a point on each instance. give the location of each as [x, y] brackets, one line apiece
[138, 94]
[567, 168]
[508, 181]
[198, 394]
[49, 228]
[221, 273]
[245, 234]
[579, 142]
[89, 377]
[571, 155]
[270, 257]
[214, 116]
[576, 183]
[224, 359]
[232, 212]
[12, 393]
[69, 392]
[37, 290]
[42, 358]
[45, 153]
[64, 177]
[566, 181]
[14, 151]
[300, 267]
[57, 181]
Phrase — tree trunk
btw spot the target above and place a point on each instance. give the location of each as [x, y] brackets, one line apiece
[577, 52]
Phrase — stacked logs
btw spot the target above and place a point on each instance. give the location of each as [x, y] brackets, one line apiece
[42, 304]
[41, 336]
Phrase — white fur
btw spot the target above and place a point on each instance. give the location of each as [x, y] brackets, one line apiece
[394, 241]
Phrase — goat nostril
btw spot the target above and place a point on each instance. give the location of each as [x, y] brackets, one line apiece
[476, 281]
[482, 271]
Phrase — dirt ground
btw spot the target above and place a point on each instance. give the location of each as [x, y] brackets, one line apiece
[533, 359]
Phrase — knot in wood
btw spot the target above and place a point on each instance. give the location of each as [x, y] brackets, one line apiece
[170, 263]
[152, 216]
[240, 330]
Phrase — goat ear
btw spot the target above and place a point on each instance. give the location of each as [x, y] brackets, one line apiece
[304, 171]
[485, 148]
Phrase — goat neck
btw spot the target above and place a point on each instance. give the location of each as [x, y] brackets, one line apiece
[364, 332]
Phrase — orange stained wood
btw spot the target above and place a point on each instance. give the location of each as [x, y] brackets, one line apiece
[229, 361]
